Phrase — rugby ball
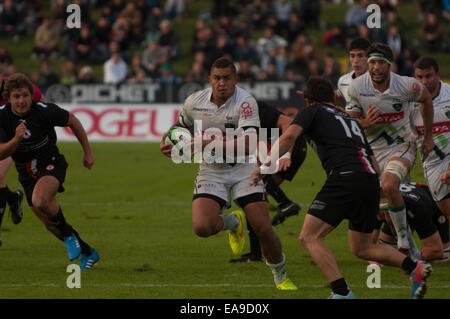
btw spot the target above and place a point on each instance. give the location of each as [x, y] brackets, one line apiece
[180, 139]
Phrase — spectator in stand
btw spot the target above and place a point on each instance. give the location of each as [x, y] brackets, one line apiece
[47, 76]
[446, 9]
[293, 76]
[167, 76]
[357, 14]
[271, 49]
[46, 40]
[58, 12]
[201, 58]
[140, 77]
[394, 40]
[314, 68]
[86, 76]
[301, 51]
[245, 73]
[429, 7]
[107, 13]
[294, 28]
[103, 32]
[152, 22]
[168, 39]
[11, 22]
[116, 6]
[134, 18]
[310, 11]
[136, 67]
[332, 69]
[11, 69]
[85, 48]
[270, 74]
[68, 73]
[432, 32]
[257, 12]
[174, 9]
[152, 58]
[203, 39]
[115, 70]
[5, 58]
[243, 50]
[120, 33]
[223, 48]
[282, 10]
[405, 61]
[197, 74]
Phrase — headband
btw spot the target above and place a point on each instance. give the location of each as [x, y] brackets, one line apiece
[378, 56]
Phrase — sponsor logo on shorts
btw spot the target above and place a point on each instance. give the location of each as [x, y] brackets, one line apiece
[27, 134]
[442, 219]
[50, 167]
[318, 205]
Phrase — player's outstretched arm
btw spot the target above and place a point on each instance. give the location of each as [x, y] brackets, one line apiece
[7, 149]
[281, 146]
[426, 110]
[78, 130]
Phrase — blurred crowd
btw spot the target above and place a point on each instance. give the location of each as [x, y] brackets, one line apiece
[270, 40]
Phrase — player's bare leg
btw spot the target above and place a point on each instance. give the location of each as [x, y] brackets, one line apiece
[312, 238]
[390, 183]
[7, 196]
[444, 206]
[47, 209]
[206, 220]
[259, 218]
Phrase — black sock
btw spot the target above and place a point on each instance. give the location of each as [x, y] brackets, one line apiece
[11, 197]
[61, 224]
[3, 195]
[85, 248]
[255, 248]
[275, 191]
[408, 265]
[340, 287]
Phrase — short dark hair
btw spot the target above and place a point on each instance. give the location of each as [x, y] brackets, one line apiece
[17, 81]
[359, 44]
[381, 48]
[222, 63]
[319, 90]
[426, 62]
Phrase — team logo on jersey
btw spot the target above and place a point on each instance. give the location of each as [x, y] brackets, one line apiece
[448, 112]
[246, 110]
[27, 134]
[397, 106]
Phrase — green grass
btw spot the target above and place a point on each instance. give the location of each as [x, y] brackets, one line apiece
[135, 208]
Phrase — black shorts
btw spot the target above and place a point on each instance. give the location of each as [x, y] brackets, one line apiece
[352, 196]
[425, 220]
[31, 172]
[297, 158]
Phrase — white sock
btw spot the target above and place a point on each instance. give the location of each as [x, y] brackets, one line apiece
[398, 217]
[278, 270]
[230, 222]
[415, 252]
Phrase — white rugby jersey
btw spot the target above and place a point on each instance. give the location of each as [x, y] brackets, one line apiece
[393, 126]
[239, 111]
[344, 83]
[441, 125]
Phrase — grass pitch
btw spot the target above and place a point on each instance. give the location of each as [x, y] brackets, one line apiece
[134, 207]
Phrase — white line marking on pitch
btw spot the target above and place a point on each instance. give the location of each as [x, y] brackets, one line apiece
[149, 285]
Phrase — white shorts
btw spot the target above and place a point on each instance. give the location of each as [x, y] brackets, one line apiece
[432, 174]
[407, 151]
[224, 185]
